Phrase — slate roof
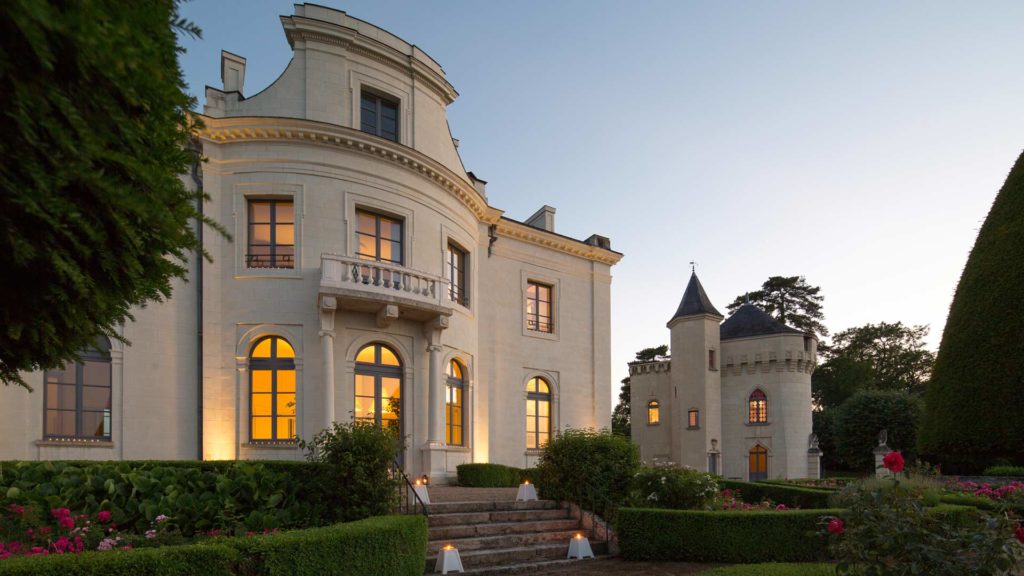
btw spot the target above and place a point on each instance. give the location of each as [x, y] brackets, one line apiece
[695, 301]
[749, 320]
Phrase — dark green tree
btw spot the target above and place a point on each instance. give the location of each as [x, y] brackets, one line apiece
[860, 419]
[884, 356]
[94, 215]
[621, 414]
[791, 300]
[972, 414]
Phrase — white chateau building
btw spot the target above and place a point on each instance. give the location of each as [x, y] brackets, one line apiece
[733, 399]
[368, 277]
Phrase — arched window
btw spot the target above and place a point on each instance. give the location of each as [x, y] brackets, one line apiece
[653, 413]
[272, 390]
[379, 387]
[758, 407]
[453, 413]
[758, 463]
[78, 396]
[538, 413]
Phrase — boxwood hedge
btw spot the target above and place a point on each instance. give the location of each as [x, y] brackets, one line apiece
[793, 496]
[774, 569]
[383, 545]
[493, 475]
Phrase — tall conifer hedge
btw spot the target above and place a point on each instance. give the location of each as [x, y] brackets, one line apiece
[973, 404]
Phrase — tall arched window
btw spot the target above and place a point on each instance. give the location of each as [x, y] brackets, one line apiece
[78, 396]
[453, 412]
[653, 412]
[758, 407]
[379, 387]
[538, 413]
[758, 463]
[272, 390]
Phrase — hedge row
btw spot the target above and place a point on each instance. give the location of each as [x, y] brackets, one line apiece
[383, 545]
[774, 569]
[981, 503]
[727, 536]
[793, 496]
[1004, 471]
[493, 475]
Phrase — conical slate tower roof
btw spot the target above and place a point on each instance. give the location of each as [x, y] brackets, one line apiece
[750, 320]
[695, 301]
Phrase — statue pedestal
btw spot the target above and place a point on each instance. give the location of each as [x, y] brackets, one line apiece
[814, 463]
[880, 469]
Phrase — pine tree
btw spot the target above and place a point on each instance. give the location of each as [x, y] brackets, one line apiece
[791, 300]
[972, 405]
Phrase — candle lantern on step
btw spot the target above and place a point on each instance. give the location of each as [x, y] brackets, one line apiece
[526, 492]
[419, 486]
[579, 547]
[448, 560]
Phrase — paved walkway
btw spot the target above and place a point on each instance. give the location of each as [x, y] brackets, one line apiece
[460, 494]
[618, 567]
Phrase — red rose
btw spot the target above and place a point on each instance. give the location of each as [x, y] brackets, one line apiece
[836, 526]
[893, 462]
[103, 516]
[1019, 532]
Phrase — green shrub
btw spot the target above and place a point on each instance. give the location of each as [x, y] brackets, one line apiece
[492, 475]
[673, 488]
[865, 414]
[703, 536]
[198, 496]
[972, 415]
[592, 469]
[359, 457]
[792, 496]
[773, 569]
[1004, 471]
[190, 560]
[393, 545]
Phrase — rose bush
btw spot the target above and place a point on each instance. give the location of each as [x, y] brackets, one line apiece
[675, 488]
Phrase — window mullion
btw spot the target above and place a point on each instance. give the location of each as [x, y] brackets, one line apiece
[79, 397]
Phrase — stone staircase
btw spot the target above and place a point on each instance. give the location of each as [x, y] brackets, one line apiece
[501, 536]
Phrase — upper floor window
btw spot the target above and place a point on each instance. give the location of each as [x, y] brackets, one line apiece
[711, 360]
[78, 396]
[538, 307]
[453, 414]
[758, 407]
[272, 390]
[458, 291]
[378, 116]
[271, 234]
[538, 413]
[693, 419]
[653, 412]
[380, 237]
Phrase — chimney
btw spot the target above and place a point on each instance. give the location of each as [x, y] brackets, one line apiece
[480, 185]
[543, 219]
[232, 71]
[599, 241]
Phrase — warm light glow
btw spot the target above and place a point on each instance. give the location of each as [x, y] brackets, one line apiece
[418, 482]
[449, 547]
[579, 536]
[526, 481]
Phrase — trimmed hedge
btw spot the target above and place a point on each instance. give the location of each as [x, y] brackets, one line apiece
[774, 569]
[190, 560]
[1004, 471]
[493, 475]
[703, 536]
[792, 496]
[981, 503]
[394, 545]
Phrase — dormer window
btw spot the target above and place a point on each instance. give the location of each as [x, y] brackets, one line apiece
[378, 115]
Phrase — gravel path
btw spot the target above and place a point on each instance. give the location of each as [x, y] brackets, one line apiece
[617, 567]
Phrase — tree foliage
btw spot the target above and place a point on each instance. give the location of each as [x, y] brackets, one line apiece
[621, 413]
[884, 356]
[791, 300]
[973, 412]
[94, 218]
[860, 419]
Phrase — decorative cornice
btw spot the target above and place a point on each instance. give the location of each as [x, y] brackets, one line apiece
[649, 367]
[520, 231]
[791, 361]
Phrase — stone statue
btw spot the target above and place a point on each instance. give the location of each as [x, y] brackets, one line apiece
[812, 442]
[883, 437]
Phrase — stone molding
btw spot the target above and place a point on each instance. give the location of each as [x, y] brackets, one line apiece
[649, 367]
[764, 362]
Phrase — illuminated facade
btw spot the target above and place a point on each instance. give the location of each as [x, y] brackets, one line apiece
[367, 277]
[734, 398]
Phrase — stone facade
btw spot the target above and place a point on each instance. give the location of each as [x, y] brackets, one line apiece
[303, 142]
[734, 398]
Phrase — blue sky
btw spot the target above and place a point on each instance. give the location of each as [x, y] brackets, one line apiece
[859, 144]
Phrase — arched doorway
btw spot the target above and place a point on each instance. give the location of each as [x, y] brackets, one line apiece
[378, 387]
[758, 463]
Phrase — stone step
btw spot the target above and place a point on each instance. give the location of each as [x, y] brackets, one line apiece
[461, 518]
[528, 555]
[493, 529]
[501, 541]
[452, 507]
[581, 566]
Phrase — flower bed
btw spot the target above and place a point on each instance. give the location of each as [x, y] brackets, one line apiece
[791, 496]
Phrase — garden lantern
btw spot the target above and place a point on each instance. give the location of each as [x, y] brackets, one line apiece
[448, 560]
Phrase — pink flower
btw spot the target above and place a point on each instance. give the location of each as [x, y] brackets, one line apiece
[103, 516]
[67, 522]
[150, 534]
[60, 512]
[161, 519]
[893, 461]
[781, 508]
[836, 526]
[126, 547]
[17, 510]
[1019, 533]
[62, 544]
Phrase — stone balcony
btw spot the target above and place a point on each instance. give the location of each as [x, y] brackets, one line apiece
[387, 290]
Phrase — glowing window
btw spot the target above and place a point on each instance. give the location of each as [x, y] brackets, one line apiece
[271, 234]
[538, 413]
[77, 396]
[454, 413]
[378, 387]
[538, 307]
[272, 390]
[653, 412]
[758, 407]
[693, 419]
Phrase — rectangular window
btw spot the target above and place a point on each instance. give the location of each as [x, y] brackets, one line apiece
[271, 234]
[711, 360]
[457, 271]
[693, 419]
[78, 399]
[538, 307]
[379, 238]
[378, 116]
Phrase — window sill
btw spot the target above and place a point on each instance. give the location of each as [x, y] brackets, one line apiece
[534, 451]
[457, 448]
[758, 423]
[255, 273]
[270, 445]
[693, 427]
[74, 442]
[539, 334]
[654, 423]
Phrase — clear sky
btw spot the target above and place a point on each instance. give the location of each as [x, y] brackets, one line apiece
[859, 144]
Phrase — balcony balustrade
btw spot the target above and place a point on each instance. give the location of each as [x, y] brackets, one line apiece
[366, 285]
